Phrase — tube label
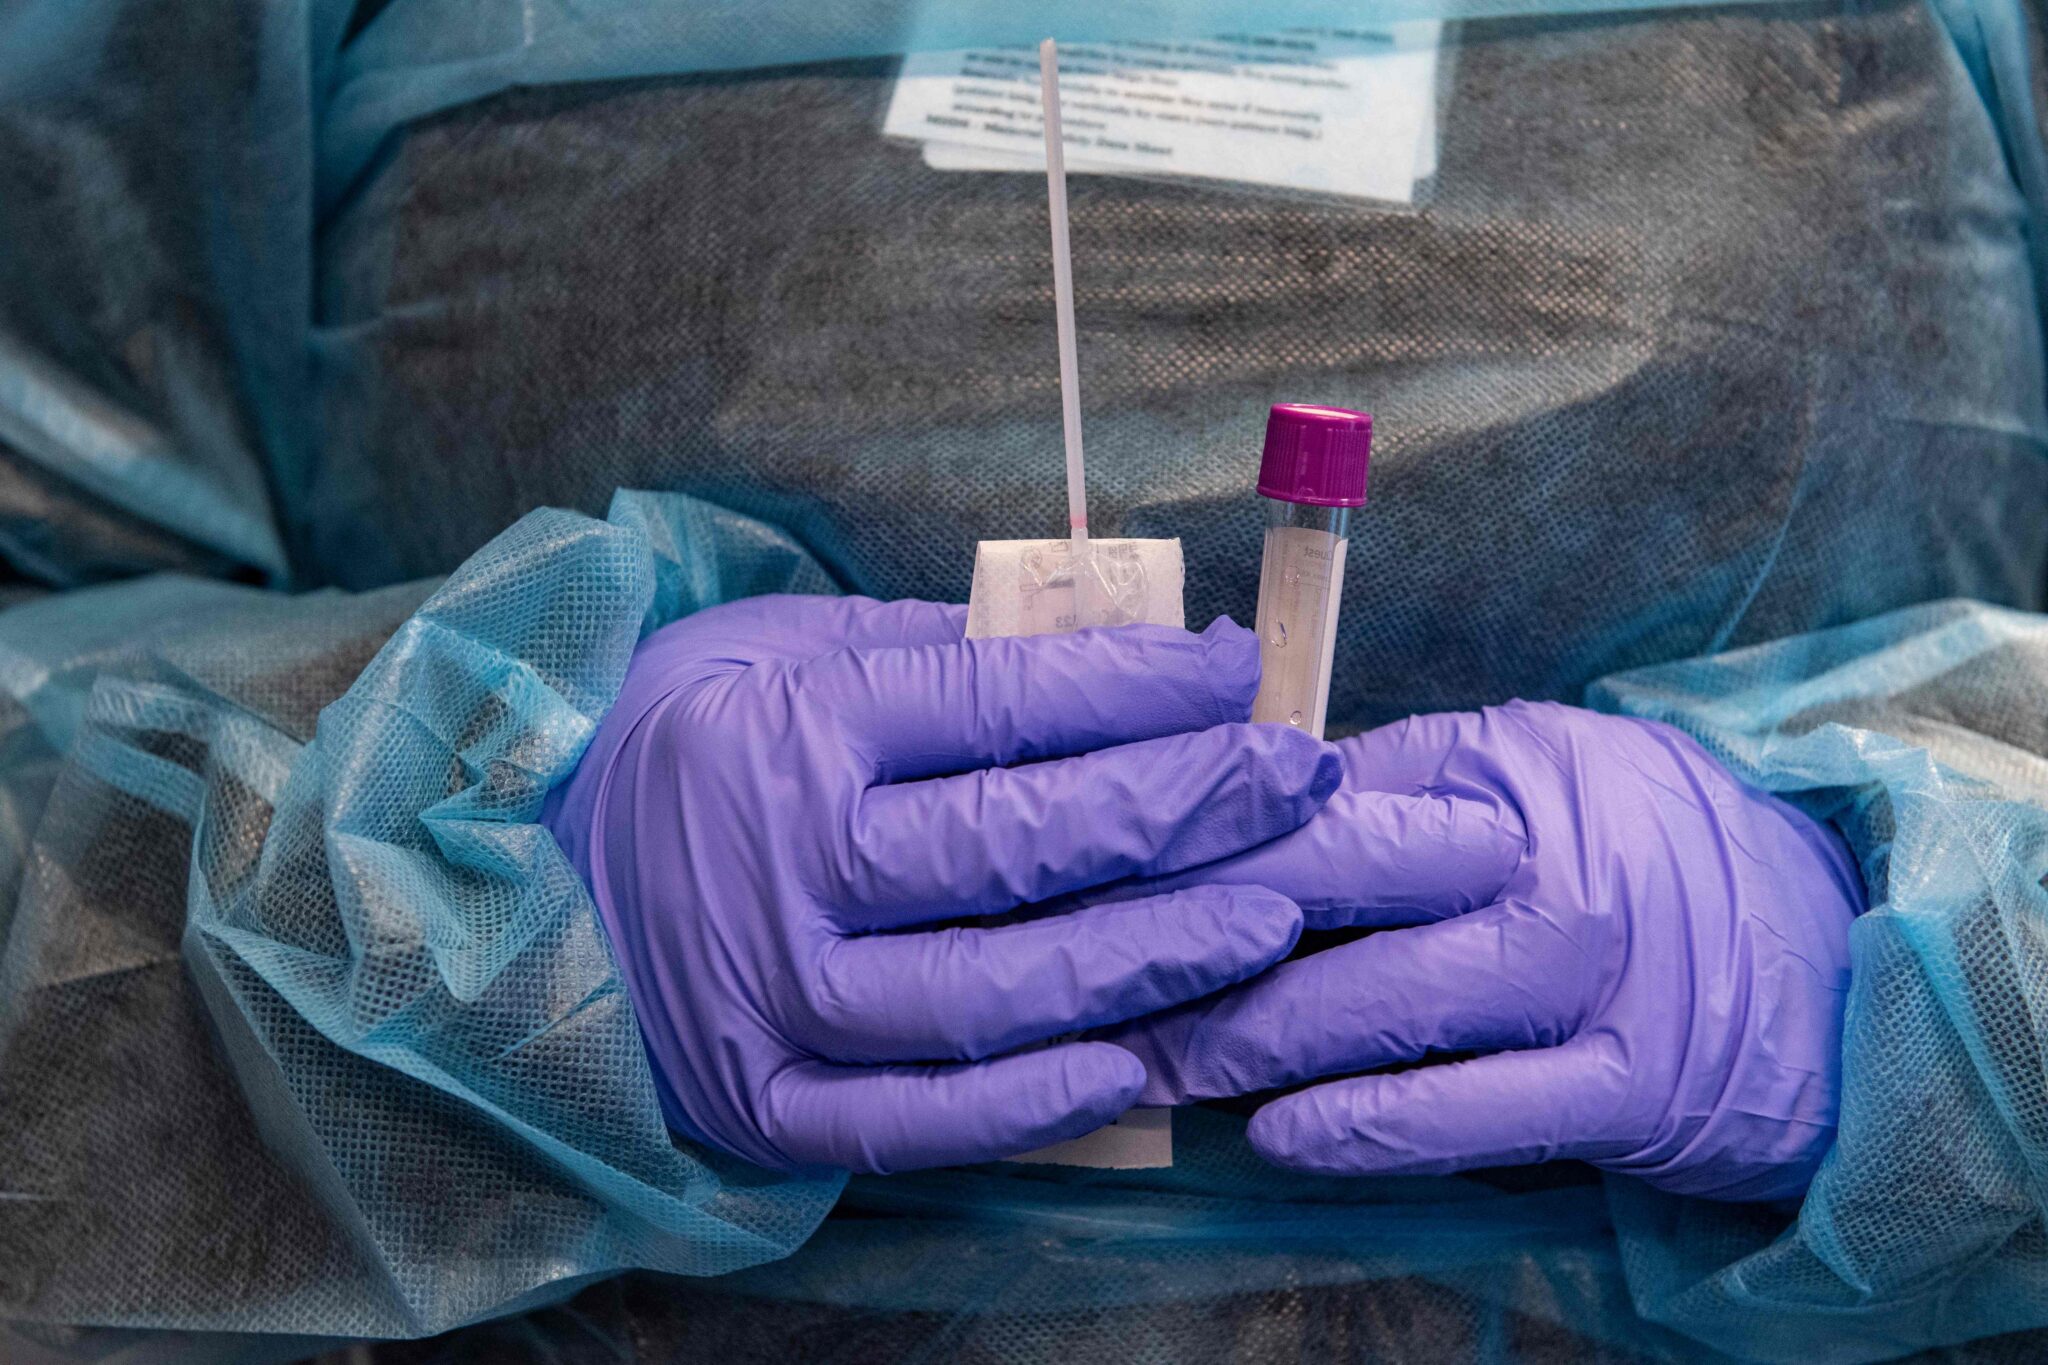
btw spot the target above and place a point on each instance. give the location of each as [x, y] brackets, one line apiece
[1300, 585]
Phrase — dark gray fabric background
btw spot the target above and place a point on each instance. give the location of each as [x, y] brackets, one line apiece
[1714, 327]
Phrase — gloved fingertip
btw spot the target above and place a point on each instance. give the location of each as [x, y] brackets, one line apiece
[1102, 1082]
[1274, 1134]
[1311, 769]
[1270, 923]
[1329, 774]
[1237, 931]
[1286, 1133]
[1231, 654]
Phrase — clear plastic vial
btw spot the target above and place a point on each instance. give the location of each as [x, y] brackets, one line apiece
[1312, 474]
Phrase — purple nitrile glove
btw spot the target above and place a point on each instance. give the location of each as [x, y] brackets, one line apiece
[1654, 957]
[787, 785]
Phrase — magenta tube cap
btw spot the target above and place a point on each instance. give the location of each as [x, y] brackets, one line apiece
[1316, 455]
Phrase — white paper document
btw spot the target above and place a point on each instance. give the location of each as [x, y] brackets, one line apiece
[1339, 112]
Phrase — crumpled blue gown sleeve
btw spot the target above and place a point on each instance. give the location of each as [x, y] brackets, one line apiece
[306, 1026]
[1923, 735]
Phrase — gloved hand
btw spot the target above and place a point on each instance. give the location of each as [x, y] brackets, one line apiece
[1654, 956]
[788, 784]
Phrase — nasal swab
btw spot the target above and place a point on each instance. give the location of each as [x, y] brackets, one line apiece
[1063, 312]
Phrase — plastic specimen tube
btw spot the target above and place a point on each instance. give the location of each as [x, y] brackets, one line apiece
[1313, 472]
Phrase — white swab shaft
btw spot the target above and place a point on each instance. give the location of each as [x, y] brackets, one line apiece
[1063, 301]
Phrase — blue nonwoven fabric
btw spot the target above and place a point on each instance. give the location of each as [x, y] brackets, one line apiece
[283, 849]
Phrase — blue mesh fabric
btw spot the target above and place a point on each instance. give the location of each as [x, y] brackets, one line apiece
[407, 921]
[1922, 736]
[443, 1107]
